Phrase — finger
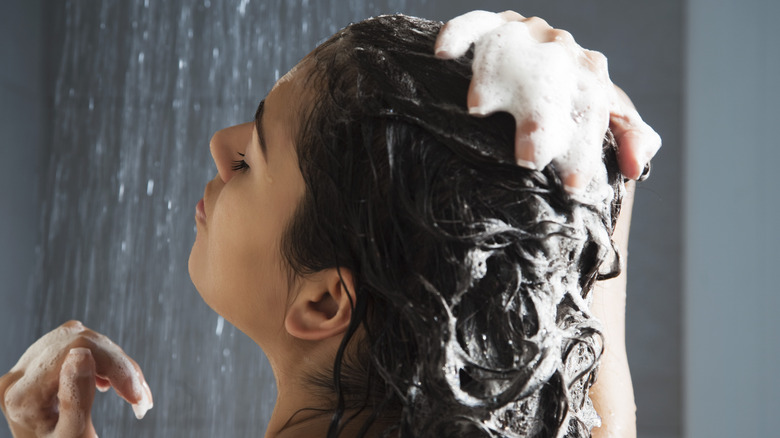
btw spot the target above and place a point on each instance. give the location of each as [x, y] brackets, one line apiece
[635, 149]
[76, 394]
[511, 16]
[102, 384]
[5, 382]
[576, 181]
[637, 141]
[538, 27]
[525, 148]
[596, 62]
[122, 372]
[474, 99]
[458, 34]
[559, 36]
[580, 171]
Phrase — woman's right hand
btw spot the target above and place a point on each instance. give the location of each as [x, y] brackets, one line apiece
[49, 392]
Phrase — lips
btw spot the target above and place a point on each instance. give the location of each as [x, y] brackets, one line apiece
[200, 211]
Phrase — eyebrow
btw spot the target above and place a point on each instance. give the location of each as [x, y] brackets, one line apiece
[259, 129]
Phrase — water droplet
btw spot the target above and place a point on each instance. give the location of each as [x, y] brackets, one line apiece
[141, 58]
[150, 187]
[242, 7]
[121, 192]
[220, 325]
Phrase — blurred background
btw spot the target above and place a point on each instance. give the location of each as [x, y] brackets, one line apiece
[106, 110]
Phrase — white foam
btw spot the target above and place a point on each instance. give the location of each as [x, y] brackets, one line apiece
[41, 360]
[142, 407]
[478, 261]
[559, 93]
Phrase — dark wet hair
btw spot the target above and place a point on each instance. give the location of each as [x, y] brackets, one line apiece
[472, 275]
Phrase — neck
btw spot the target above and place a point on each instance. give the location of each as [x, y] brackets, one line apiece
[295, 405]
[299, 412]
[302, 408]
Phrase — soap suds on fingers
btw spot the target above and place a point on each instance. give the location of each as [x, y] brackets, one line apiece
[559, 93]
[47, 356]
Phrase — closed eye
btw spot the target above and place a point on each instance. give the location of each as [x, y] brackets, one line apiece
[240, 165]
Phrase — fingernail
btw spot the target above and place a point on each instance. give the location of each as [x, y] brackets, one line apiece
[443, 52]
[79, 351]
[527, 164]
[640, 166]
[75, 362]
[644, 172]
[142, 407]
[525, 151]
[478, 111]
[574, 184]
[574, 190]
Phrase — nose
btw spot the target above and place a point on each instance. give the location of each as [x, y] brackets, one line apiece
[226, 145]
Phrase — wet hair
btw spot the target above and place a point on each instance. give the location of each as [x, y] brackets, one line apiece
[472, 275]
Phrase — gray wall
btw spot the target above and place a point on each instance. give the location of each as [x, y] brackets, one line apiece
[732, 212]
[137, 90]
[22, 124]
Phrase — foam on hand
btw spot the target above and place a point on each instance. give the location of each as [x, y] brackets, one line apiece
[142, 406]
[49, 354]
[559, 94]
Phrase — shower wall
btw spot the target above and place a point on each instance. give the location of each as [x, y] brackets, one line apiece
[22, 118]
[135, 90]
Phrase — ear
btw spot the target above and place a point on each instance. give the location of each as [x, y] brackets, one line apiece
[323, 305]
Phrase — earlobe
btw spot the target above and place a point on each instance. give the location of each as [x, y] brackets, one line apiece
[323, 305]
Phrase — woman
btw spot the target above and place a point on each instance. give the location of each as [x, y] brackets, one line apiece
[403, 275]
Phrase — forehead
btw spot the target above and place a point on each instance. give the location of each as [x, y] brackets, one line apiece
[288, 101]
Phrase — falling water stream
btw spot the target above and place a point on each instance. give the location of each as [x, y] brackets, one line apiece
[140, 88]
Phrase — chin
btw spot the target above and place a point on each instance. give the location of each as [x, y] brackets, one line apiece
[195, 269]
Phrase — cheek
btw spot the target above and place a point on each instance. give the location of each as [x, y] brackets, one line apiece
[244, 280]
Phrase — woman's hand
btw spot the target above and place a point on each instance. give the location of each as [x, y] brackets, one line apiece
[559, 93]
[49, 392]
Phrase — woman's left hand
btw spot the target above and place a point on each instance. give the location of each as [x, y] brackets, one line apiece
[562, 113]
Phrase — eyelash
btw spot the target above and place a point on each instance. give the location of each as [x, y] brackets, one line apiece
[240, 165]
